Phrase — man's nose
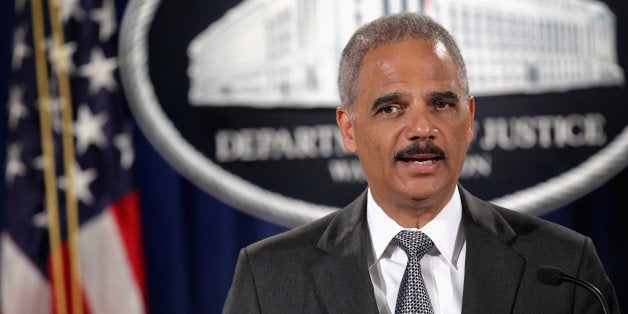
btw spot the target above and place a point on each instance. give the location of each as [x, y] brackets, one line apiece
[419, 126]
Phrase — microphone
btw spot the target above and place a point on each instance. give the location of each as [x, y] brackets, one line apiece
[554, 276]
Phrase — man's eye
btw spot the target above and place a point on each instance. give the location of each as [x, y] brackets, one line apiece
[389, 109]
[442, 104]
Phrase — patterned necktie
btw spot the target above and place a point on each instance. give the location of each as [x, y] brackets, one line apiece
[413, 297]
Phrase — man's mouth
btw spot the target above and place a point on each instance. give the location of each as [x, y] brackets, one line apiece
[422, 161]
[421, 153]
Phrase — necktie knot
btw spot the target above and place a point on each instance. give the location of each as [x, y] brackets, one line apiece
[414, 243]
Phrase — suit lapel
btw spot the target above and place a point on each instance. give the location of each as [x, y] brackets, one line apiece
[341, 275]
[492, 269]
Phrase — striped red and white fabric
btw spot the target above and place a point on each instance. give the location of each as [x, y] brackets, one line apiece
[72, 237]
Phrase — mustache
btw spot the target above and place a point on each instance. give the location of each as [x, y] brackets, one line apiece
[420, 147]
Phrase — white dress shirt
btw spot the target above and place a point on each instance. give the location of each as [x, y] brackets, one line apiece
[442, 267]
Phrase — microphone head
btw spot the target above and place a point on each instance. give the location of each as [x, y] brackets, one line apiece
[549, 275]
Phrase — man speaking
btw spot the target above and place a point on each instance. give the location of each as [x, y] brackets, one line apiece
[415, 241]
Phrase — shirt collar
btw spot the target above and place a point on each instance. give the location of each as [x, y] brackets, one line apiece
[443, 229]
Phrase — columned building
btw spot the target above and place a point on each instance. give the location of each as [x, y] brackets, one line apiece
[285, 53]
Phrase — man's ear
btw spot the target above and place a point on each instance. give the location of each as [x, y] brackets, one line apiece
[345, 124]
[470, 133]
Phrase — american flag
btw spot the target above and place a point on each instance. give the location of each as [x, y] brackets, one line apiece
[72, 239]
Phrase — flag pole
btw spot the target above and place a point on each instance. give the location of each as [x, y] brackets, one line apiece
[60, 66]
[52, 205]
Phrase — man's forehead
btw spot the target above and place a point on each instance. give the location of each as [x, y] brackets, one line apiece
[409, 60]
[436, 46]
[405, 55]
[407, 63]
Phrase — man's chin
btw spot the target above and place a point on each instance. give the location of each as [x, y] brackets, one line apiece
[426, 190]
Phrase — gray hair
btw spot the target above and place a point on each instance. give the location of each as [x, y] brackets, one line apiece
[386, 30]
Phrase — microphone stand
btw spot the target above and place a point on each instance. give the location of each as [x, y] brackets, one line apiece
[586, 285]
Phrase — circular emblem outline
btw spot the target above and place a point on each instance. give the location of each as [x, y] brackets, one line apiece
[287, 211]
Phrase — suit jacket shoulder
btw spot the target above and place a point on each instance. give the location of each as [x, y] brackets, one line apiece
[505, 249]
[314, 268]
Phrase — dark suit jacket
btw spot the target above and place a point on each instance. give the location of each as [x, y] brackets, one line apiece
[322, 267]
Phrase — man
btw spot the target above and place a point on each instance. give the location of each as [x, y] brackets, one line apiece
[406, 112]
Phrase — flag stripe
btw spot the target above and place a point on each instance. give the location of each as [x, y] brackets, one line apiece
[109, 283]
[127, 215]
[22, 282]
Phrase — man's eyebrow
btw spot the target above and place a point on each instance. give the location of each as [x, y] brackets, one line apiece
[385, 99]
[445, 95]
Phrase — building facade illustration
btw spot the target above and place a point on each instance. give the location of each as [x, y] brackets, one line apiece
[285, 53]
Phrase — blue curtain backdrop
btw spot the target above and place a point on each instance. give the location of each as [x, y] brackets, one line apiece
[192, 240]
